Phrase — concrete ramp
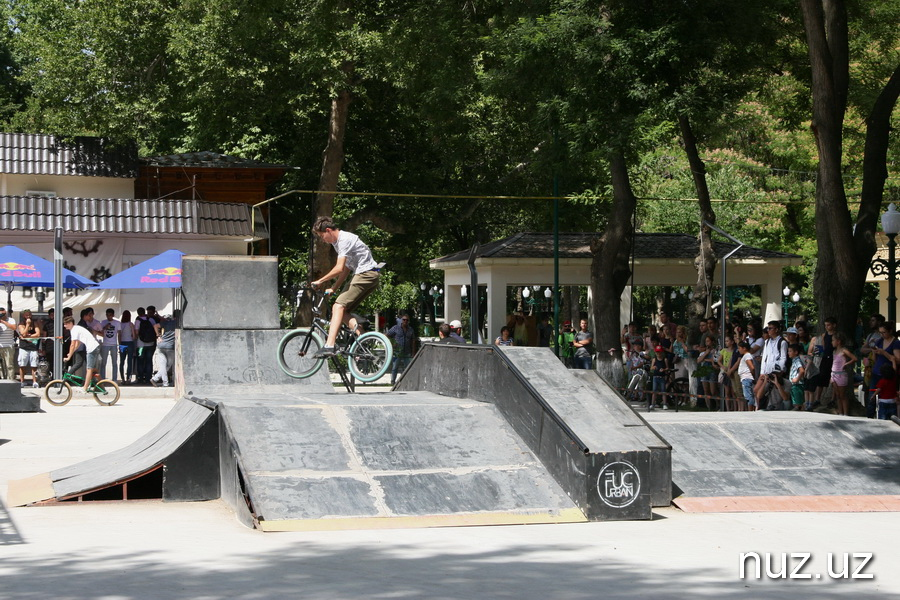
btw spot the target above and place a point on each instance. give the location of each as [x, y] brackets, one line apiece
[174, 461]
[782, 461]
[573, 425]
[414, 459]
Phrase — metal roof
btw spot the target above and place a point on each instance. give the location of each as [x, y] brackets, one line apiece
[578, 245]
[116, 215]
[36, 154]
[207, 160]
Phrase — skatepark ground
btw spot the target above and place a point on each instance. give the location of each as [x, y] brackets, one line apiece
[151, 549]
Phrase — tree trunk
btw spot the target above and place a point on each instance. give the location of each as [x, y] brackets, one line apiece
[611, 269]
[706, 260]
[332, 162]
[839, 274]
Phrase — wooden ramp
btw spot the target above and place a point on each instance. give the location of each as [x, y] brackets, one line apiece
[170, 456]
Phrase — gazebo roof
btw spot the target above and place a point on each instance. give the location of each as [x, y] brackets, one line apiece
[647, 246]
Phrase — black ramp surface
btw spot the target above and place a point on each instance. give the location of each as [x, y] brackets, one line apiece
[387, 457]
[782, 454]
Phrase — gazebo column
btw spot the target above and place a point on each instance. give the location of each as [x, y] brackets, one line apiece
[496, 301]
[452, 302]
[770, 291]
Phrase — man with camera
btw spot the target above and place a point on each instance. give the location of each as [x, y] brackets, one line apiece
[774, 366]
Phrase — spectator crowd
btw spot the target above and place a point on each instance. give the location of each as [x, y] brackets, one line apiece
[139, 351]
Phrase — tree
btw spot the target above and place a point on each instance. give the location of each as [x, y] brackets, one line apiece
[844, 251]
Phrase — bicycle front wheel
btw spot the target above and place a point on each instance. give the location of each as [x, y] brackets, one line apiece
[295, 353]
[370, 356]
[58, 392]
[106, 392]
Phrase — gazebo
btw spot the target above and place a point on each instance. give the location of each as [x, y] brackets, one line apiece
[660, 259]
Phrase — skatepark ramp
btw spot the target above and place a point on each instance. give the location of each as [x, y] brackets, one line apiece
[782, 461]
[174, 461]
[516, 438]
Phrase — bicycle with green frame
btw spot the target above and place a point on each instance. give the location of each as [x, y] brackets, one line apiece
[59, 391]
[368, 355]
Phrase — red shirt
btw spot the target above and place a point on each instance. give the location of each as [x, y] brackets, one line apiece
[887, 389]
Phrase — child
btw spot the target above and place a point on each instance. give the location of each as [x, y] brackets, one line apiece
[887, 393]
[635, 364]
[658, 369]
[723, 361]
[797, 374]
[746, 371]
[840, 379]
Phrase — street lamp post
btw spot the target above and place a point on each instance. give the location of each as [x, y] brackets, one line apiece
[890, 223]
[789, 302]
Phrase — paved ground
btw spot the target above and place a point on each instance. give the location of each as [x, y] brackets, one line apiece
[198, 550]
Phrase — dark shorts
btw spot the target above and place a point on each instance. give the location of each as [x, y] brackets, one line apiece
[361, 286]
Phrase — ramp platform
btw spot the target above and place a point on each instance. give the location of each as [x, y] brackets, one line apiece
[379, 460]
[782, 461]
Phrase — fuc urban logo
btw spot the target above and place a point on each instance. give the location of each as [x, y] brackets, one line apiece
[618, 484]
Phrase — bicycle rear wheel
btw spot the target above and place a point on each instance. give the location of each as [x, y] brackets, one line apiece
[106, 392]
[58, 392]
[295, 351]
[370, 356]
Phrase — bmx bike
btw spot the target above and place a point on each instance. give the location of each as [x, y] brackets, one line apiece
[368, 355]
[59, 391]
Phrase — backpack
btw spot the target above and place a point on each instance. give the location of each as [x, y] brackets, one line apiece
[146, 332]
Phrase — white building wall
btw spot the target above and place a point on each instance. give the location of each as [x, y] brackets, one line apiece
[66, 186]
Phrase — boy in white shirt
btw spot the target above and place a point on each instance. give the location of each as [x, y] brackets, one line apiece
[352, 256]
[109, 348]
[91, 348]
[746, 370]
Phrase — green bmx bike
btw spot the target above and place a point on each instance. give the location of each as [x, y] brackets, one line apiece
[59, 391]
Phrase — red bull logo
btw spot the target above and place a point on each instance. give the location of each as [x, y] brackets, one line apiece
[166, 271]
[14, 266]
[164, 275]
[14, 269]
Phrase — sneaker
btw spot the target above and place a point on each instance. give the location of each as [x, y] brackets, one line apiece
[24, 385]
[651, 407]
[324, 352]
[35, 385]
[665, 407]
[154, 383]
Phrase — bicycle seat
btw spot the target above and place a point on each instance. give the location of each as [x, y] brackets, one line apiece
[361, 322]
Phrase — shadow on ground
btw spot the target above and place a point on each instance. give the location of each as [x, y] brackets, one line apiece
[9, 534]
[370, 570]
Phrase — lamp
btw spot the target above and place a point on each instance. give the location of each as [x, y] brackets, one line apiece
[548, 293]
[535, 287]
[796, 297]
[526, 292]
[463, 291]
[786, 291]
[890, 223]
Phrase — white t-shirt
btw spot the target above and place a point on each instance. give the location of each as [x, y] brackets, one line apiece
[110, 330]
[84, 336]
[8, 333]
[744, 369]
[128, 334]
[359, 257]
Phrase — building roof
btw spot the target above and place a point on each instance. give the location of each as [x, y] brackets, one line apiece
[207, 160]
[647, 246]
[36, 154]
[123, 216]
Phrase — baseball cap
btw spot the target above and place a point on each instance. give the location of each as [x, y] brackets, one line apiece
[660, 349]
[567, 323]
[455, 324]
[792, 330]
